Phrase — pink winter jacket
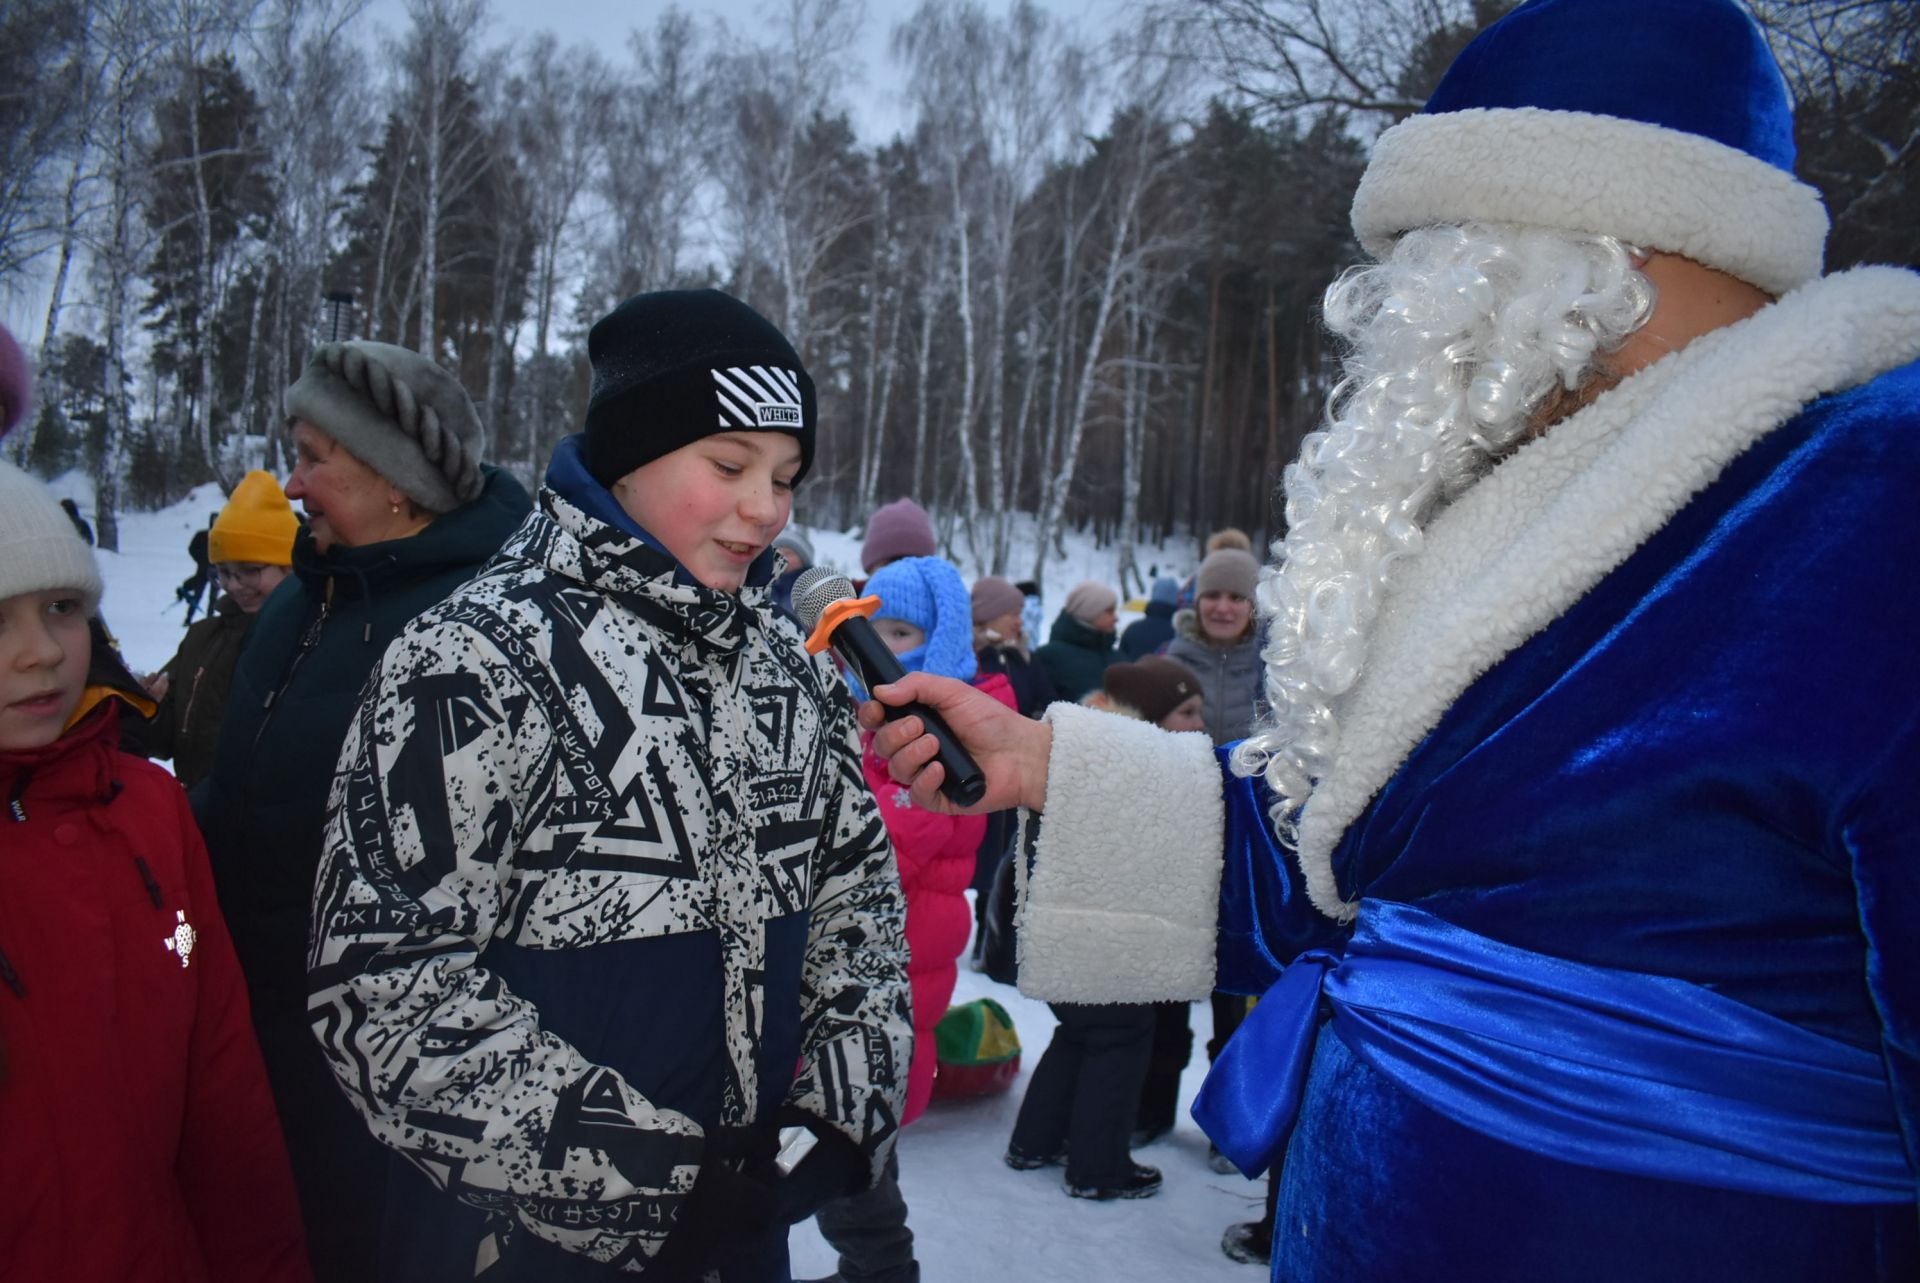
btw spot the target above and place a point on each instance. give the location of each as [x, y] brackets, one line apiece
[936, 856]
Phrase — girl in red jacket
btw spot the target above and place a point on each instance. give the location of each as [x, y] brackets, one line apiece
[139, 1136]
[926, 619]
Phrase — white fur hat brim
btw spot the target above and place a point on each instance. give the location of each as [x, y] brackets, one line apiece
[1652, 187]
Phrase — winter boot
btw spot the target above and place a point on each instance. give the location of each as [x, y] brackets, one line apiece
[1249, 1242]
[1020, 1162]
[1142, 1182]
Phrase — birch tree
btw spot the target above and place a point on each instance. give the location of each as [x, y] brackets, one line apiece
[1375, 60]
[1136, 159]
[996, 101]
[129, 50]
[209, 208]
[565, 99]
[43, 58]
[452, 156]
[791, 188]
[647, 189]
[46, 156]
[315, 115]
[1854, 66]
[902, 252]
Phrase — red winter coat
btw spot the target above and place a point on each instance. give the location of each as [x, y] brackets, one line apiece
[138, 1135]
[936, 857]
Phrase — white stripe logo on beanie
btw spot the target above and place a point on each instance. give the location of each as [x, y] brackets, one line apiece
[758, 396]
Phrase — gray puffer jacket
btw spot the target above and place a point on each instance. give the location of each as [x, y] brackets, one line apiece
[1230, 676]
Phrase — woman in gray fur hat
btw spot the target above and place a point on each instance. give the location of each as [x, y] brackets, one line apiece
[400, 512]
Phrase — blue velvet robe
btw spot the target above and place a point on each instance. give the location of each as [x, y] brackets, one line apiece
[1707, 768]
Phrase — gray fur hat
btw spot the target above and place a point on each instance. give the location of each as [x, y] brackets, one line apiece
[39, 548]
[398, 413]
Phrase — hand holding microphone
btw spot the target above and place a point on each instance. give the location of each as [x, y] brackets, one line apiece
[832, 616]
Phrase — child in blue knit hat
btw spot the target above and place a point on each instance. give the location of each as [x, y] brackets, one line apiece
[926, 616]
[926, 619]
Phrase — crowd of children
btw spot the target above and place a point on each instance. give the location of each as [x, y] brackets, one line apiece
[545, 913]
[567, 767]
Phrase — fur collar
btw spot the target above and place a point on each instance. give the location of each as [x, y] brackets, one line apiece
[1533, 537]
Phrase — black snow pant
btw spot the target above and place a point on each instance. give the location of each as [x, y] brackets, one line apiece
[1172, 1046]
[869, 1230]
[1229, 1009]
[1084, 1092]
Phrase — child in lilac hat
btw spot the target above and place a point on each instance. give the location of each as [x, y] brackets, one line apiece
[897, 530]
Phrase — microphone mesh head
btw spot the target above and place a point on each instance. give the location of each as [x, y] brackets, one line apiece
[814, 590]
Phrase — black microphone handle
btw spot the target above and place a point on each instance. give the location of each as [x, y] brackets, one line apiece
[868, 656]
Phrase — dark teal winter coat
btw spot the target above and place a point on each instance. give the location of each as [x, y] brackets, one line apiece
[264, 807]
[294, 691]
[1076, 657]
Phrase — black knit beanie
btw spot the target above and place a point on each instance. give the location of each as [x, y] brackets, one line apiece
[677, 365]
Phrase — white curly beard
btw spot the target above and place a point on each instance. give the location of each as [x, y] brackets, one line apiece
[1461, 343]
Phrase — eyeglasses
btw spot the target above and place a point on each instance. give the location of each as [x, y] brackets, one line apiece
[232, 572]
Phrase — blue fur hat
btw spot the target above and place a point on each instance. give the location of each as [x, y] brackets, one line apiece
[928, 593]
[1665, 123]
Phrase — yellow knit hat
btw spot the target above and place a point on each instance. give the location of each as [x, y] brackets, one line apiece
[257, 525]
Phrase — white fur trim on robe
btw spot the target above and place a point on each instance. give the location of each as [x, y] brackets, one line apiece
[1525, 543]
[1123, 903]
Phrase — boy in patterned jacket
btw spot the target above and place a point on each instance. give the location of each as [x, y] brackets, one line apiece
[607, 916]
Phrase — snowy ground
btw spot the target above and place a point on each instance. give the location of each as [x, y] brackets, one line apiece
[975, 1219]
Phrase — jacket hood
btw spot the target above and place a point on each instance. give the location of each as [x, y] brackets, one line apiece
[567, 476]
[1186, 623]
[108, 678]
[78, 764]
[622, 563]
[1068, 631]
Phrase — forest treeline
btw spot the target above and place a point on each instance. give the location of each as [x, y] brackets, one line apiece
[1080, 283]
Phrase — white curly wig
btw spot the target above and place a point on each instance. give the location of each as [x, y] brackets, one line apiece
[1461, 342]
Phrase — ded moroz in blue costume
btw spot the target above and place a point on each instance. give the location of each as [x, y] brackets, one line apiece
[1590, 954]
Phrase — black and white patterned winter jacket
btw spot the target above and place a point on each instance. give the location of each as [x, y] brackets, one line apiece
[601, 872]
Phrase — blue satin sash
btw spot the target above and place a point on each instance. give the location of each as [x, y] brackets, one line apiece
[1645, 1075]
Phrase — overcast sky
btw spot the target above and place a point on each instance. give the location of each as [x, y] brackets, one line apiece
[878, 113]
[879, 110]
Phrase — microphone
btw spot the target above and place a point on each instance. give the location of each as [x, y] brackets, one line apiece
[833, 616]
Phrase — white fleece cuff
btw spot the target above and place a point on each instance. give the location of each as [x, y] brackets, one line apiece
[1657, 188]
[1123, 903]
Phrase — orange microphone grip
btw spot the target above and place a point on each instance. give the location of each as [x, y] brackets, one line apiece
[834, 613]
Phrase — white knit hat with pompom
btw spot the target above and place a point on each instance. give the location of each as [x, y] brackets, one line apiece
[39, 548]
